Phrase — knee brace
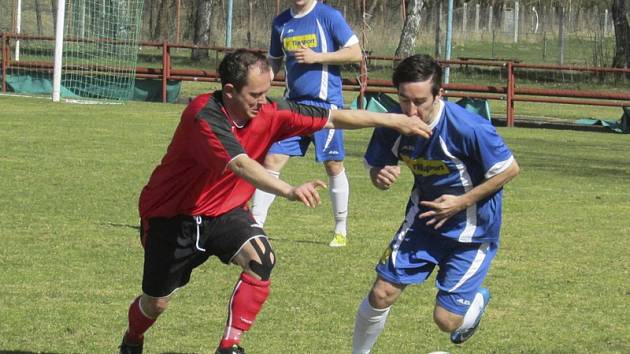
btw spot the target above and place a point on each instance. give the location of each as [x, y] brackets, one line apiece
[267, 259]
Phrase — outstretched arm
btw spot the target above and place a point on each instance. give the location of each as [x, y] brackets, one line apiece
[253, 172]
[448, 205]
[356, 119]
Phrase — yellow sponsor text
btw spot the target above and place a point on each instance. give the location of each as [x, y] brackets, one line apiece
[296, 42]
[425, 167]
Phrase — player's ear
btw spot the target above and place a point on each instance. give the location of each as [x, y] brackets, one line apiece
[440, 93]
[229, 90]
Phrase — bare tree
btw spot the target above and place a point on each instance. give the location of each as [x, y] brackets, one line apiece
[159, 29]
[622, 34]
[38, 15]
[411, 29]
[201, 22]
[53, 7]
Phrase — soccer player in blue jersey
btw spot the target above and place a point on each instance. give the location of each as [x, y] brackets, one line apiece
[312, 39]
[453, 215]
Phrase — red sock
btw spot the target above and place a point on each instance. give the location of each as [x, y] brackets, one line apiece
[247, 299]
[138, 323]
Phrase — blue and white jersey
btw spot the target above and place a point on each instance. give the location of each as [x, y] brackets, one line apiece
[463, 151]
[322, 29]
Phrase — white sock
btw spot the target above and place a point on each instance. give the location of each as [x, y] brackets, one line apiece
[261, 202]
[339, 194]
[369, 323]
[473, 312]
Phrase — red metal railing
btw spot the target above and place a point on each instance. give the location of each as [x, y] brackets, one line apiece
[509, 92]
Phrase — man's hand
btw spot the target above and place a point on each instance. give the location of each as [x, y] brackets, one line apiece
[384, 177]
[307, 193]
[410, 125]
[442, 209]
[306, 55]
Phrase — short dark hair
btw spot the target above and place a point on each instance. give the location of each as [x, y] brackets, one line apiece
[236, 65]
[418, 68]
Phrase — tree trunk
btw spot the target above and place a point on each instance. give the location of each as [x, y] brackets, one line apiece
[622, 34]
[38, 15]
[201, 28]
[410, 30]
[372, 7]
[53, 7]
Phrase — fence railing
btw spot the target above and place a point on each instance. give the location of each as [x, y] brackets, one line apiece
[507, 91]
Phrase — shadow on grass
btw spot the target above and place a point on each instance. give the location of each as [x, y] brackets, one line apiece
[280, 239]
[135, 227]
[23, 352]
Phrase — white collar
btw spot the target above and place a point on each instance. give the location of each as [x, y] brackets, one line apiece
[305, 13]
[438, 116]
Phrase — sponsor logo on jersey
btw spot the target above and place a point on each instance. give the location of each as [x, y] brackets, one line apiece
[295, 42]
[425, 167]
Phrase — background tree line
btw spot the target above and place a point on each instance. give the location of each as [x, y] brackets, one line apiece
[203, 22]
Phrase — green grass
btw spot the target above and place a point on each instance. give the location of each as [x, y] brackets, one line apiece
[71, 262]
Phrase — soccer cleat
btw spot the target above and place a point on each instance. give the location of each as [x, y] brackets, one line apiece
[130, 349]
[339, 241]
[235, 349]
[459, 337]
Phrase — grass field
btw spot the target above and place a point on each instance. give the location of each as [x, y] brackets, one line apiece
[71, 262]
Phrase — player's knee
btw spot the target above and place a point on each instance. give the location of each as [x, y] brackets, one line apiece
[445, 320]
[333, 168]
[382, 296]
[262, 266]
[275, 162]
[154, 306]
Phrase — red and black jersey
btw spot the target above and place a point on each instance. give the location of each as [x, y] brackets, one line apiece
[193, 177]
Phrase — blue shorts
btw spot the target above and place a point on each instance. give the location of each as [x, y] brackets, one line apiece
[328, 143]
[411, 257]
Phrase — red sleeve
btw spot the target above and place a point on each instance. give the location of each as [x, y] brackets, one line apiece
[297, 119]
[213, 145]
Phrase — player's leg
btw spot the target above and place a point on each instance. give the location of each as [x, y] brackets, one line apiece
[261, 202]
[372, 314]
[330, 150]
[163, 274]
[277, 157]
[236, 241]
[339, 191]
[394, 274]
[143, 312]
[461, 300]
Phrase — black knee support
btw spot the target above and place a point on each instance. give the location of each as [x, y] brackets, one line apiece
[267, 259]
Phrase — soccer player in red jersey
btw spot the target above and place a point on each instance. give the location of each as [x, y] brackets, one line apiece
[195, 203]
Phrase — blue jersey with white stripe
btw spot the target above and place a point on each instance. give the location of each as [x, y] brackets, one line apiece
[322, 29]
[462, 152]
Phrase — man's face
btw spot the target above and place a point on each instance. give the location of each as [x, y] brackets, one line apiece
[246, 102]
[416, 99]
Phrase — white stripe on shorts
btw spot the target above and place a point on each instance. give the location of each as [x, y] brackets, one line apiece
[474, 266]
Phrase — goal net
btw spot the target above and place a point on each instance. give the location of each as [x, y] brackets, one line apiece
[99, 49]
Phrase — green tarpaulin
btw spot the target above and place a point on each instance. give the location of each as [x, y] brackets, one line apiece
[619, 126]
[144, 90]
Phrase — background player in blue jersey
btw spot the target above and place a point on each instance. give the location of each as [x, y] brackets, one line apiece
[453, 215]
[313, 39]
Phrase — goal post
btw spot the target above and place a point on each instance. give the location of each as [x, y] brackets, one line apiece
[96, 49]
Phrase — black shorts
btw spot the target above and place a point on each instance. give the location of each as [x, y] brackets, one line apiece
[173, 247]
